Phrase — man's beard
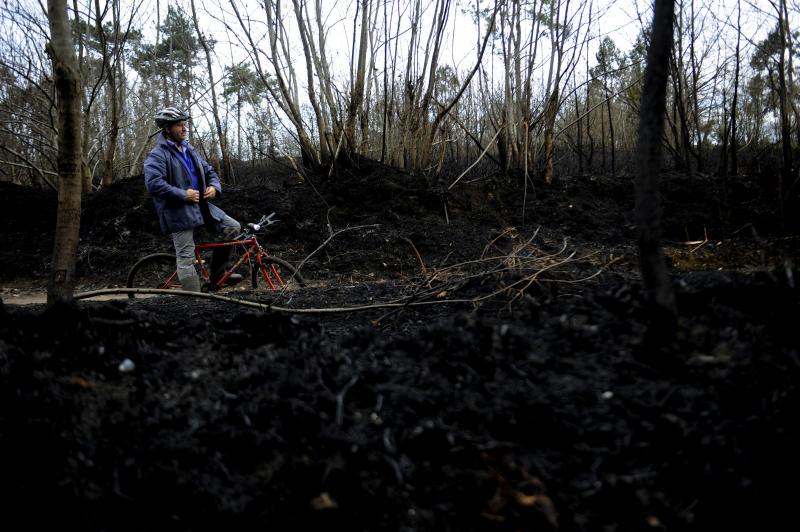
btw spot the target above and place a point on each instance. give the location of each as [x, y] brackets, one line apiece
[173, 138]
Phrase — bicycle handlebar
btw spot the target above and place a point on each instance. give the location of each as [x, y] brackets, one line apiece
[265, 221]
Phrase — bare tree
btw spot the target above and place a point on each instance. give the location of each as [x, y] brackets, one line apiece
[784, 97]
[285, 94]
[67, 83]
[357, 94]
[651, 126]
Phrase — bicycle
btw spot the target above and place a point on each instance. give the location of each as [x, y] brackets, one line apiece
[159, 270]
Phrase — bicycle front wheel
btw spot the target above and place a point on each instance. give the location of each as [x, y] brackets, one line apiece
[154, 271]
[276, 273]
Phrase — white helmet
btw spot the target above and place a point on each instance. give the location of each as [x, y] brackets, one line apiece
[168, 116]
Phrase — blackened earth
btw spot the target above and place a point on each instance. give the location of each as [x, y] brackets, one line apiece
[554, 404]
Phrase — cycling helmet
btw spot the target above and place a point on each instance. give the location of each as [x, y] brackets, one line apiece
[168, 116]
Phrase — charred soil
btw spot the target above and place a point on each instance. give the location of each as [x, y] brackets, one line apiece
[521, 385]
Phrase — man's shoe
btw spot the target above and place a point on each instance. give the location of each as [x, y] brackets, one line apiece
[234, 278]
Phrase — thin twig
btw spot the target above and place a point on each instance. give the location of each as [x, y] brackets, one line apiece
[422, 267]
[331, 237]
[489, 145]
[340, 400]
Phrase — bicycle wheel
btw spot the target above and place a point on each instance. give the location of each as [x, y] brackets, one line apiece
[276, 273]
[154, 271]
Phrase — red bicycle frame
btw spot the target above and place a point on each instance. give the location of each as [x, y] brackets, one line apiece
[251, 247]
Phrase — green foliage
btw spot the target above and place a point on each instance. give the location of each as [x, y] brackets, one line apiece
[609, 60]
[447, 83]
[93, 41]
[765, 61]
[175, 54]
[243, 84]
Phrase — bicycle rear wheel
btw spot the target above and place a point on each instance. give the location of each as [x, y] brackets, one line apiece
[276, 273]
[154, 271]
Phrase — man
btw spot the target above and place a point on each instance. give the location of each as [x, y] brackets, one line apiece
[181, 184]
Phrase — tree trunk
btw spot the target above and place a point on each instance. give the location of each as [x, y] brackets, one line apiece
[66, 79]
[107, 166]
[734, 103]
[86, 174]
[357, 96]
[790, 96]
[549, 124]
[611, 132]
[312, 61]
[786, 132]
[651, 125]
[579, 134]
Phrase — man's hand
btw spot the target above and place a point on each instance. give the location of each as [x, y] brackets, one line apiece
[192, 195]
[211, 193]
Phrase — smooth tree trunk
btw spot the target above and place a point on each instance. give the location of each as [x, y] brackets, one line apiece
[66, 80]
[785, 127]
[611, 131]
[734, 104]
[651, 126]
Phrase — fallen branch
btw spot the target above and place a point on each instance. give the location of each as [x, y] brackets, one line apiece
[253, 304]
[331, 237]
[498, 265]
[489, 145]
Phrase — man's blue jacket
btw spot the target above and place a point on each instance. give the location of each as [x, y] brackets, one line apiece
[167, 179]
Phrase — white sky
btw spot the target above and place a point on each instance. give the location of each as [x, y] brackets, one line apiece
[621, 20]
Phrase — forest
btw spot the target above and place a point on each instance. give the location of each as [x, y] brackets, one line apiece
[541, 86]
[534, 266]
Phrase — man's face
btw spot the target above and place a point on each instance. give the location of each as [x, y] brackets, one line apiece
[177, 132]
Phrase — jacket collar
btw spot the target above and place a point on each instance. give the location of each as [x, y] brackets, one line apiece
[162, 141]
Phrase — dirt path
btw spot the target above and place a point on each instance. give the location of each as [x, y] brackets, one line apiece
[38, 296]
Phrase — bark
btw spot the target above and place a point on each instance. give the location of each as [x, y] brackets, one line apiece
[553, 102]
[734, 103]
[313, 62]
[790, 96]
[107, 165]
[533, 47]
[611, 131]
[66, 79]
[786, 132]
[694, 92]
[357, 96]
[517, 119]
[651, 123]
[579, 134]
[86, 174]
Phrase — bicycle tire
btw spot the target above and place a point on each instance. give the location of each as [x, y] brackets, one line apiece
[154, 271]
[279, 271]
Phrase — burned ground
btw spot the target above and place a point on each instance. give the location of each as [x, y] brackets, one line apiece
[550, 405]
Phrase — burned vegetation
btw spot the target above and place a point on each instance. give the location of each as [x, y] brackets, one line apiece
[500, 374]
